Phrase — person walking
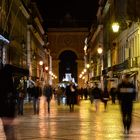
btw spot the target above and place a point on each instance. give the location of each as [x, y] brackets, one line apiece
[21, 96]
[113, 94]
[126, 95]
[72, 98]
[67, 93]
[96, 92]
[105, 98]
[7, 102]
[48, 94]
[36, 93]
[59, 93]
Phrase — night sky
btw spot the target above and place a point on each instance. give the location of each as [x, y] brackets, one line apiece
[68, 13]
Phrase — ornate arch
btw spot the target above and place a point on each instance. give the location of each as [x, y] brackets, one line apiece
[67, 49]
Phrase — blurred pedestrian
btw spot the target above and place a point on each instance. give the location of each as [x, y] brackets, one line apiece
[36, 93]
[96, 92]
[48, 94]
[72, 98]
[21, 96]
[31, 84]
[7, 102]
[59, 93]
[67, 93]
[105, 98]
[126, 95]
[85, 91]
[113, 94]
[91, 94]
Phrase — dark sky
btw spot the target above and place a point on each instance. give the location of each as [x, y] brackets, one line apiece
[68, 13]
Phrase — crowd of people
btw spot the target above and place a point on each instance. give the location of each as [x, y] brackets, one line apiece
[13, 95]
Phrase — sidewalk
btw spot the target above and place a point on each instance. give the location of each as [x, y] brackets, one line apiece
[82, 124]
[136, 111]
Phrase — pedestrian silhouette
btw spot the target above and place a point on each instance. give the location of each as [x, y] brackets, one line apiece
[113, 94]
[105, 98]
[48, 94]
[96, 92]
[7, 102]
[126, 95]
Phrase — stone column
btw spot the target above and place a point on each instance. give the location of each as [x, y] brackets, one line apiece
[56, 70]
[29, 51]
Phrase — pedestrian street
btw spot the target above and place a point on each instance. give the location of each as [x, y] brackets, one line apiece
[82, 124]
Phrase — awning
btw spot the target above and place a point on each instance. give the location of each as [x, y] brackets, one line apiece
[4, 40]
[17, 70]
[131, 73]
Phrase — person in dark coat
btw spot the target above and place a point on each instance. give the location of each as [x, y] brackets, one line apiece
[105, 98]
[48, 94]
[21, 96]
[35, 94]
[67, 92]
[72, 97]
[96, 92]
[7, 102]
[113, 94]
[126, 95]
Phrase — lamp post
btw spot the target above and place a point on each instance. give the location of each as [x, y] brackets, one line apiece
[88, 72]
[46, 73]
[41, 70]
[100, 51]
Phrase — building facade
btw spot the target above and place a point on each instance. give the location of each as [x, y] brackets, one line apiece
[21, 24]
[121, 49]
[71, 40]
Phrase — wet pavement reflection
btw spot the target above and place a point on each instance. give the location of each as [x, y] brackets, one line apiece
[82, 124]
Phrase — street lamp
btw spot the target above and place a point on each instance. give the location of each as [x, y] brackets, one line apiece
[99, 50]
[88, 65]
[40, 63]
[115, 27]
[46, 68]
[41, 73]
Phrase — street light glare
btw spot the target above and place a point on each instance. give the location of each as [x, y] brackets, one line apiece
[46, 68]
[115, 27]
[100, 50]
[88, 65]
[40, 63]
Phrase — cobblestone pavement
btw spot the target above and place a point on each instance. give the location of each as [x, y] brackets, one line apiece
[82, 124]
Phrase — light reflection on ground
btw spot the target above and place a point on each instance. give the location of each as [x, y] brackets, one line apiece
[82, 124]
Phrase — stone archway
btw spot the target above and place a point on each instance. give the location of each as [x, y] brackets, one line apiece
[67, 64]
[67, 39]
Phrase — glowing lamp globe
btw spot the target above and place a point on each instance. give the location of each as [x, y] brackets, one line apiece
[115, 27]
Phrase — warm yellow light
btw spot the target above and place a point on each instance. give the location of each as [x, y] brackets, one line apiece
[46, 68]
[115, 27]
[100, 50]
[83, 77]
[40, 63]
[82, 72]
[88, 65]
[85, 70]
[80, 76]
